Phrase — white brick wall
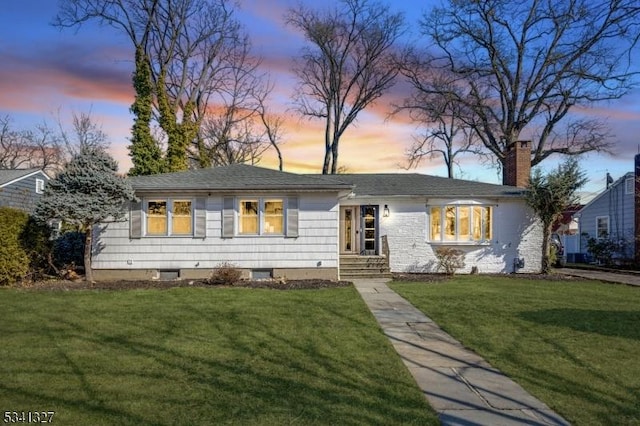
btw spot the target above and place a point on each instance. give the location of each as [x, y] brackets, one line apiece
[515, 234]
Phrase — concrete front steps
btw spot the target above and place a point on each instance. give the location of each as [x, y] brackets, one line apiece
[364, 267]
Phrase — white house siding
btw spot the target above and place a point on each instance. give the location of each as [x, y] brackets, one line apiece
[316, 246]
[516, 234]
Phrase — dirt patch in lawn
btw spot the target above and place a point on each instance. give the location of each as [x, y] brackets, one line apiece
[66, 285]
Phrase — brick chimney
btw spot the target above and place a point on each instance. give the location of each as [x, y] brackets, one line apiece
[637, 209]
[517, 164]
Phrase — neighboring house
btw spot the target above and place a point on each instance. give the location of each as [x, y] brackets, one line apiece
[21, 188]
[611, 215]
[271, 223]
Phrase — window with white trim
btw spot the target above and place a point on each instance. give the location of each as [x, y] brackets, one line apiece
[602, 227]
[460, 223]
[39, 186]
[629, 186]
[169, 217]
[261, 216]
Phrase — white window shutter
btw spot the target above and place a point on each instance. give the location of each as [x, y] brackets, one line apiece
[228, 215]
[200, 218]
[135, 220]
[292, 217]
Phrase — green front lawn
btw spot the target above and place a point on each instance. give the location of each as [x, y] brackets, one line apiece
[202, 356]
[574, 345]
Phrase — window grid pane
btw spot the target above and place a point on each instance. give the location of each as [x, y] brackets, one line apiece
[157, 217]
[450, 223]
[181, 221]
[486, 220]
[464, 223]
[273, 217]
[248, 223]
[436, 223]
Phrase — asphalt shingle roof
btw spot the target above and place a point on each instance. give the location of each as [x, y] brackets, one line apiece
[235, 177]
[13, 174]
[241, 177]
[414, 184]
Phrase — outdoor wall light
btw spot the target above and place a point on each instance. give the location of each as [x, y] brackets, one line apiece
[385, 212]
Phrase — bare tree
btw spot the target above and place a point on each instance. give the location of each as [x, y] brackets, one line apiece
[521, 67]
[182, 44]
[85, 134]
[439, 114]
[348, 65]
[236, 126]
[38, 148]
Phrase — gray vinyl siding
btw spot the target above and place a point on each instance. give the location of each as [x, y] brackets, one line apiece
[615, 204]
[316, 243]
[21, 194]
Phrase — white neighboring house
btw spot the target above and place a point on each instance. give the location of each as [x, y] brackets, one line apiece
[272, 223]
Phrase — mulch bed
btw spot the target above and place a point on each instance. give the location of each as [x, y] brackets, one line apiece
[66, 285]
[434, 278]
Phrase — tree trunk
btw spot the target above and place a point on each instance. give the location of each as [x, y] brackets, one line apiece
[334, 156]
[88, 273]
[546, 265]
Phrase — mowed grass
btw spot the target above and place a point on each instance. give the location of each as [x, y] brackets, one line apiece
[574, 345]
[202, 356]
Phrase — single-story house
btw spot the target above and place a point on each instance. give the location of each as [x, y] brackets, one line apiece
[21, 188]
[272, 223]
[611, 215]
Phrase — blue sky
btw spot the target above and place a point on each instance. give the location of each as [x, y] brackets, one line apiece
[46, 73]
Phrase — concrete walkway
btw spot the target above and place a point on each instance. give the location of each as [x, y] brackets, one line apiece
[461, 386]
[611, 277]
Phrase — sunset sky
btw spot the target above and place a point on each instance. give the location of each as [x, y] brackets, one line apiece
[46, 73]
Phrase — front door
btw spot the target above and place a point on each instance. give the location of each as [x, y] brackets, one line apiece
[349, 222]
[369, 230]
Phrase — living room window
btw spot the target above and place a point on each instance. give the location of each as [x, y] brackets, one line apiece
[261, 216]
[169, 217]
[460, 223]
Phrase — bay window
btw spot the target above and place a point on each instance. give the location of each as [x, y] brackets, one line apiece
[460, 223]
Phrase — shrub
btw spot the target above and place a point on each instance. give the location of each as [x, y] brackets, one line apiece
[449, 259]
[68, 250]
[225, 274]
[604, 250]
[14, 261]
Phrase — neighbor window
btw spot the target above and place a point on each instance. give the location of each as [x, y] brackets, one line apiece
[169, 217]
[602, 227]
[39, 186]
[460, 223]
[629, 185]
[261, 216]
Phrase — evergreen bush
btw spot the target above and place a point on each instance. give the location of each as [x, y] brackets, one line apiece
[14, 261]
